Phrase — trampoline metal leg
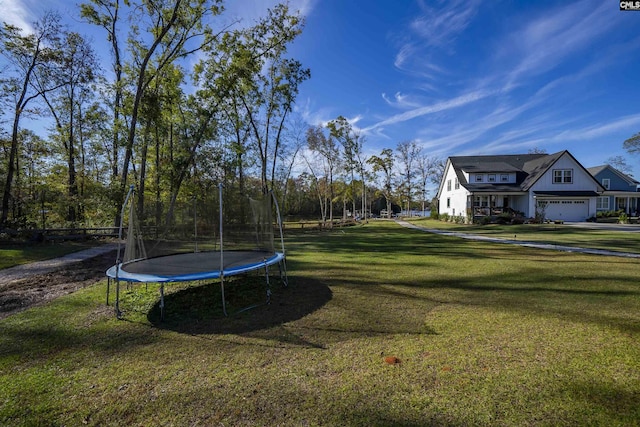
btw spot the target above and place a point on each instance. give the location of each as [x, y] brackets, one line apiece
[108, 285]
[283, 272]
[224, 304]
[266, 270]
[162, 302]
[118, 312]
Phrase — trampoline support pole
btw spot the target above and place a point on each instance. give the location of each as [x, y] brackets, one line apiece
[118, 313]
[266, 271]
[162, 301]
[224, 304]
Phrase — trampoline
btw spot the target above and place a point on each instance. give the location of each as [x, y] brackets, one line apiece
[198, 265]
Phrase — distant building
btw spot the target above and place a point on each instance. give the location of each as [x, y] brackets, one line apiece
[556, 185]
[620, 190]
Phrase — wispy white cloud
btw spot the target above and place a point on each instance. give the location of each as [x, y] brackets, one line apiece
[599, 130]
[439, 26]
[555, 38]
[436, 27]
[430, 109]
[18, 13]
[401, 101]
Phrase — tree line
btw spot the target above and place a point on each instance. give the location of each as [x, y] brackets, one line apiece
[189, 99]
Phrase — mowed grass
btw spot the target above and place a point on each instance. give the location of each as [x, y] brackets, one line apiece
[486, 334]
[558, 234]
[16, 254]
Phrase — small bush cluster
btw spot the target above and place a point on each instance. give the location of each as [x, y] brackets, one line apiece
[623, 218]
[609, 214]
[457, 219]
[505, 218]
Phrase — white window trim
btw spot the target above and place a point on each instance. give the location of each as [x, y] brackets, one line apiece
[563, 175]
[600, 205]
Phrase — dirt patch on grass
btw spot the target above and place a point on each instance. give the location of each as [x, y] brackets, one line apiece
[32, 290]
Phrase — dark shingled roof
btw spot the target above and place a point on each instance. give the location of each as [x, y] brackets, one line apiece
[506, 163]
[527, 167]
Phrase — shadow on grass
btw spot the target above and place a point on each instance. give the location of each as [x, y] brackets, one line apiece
[198, 309]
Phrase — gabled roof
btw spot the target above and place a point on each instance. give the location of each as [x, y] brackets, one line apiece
[480, 164]
[529, 168]
[537, 167]
[598, 169]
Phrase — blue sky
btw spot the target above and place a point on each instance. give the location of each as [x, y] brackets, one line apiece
[463, 77]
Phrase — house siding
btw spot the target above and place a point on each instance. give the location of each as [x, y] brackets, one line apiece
[619, 186]
[582, 181]
[457, 197]
[531, 182]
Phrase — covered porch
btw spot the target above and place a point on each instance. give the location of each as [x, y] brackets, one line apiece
[493, 204]
[627, 202]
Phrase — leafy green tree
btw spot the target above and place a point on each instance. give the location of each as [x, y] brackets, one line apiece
[106, 14]
[353, 155]
[384, 163]
[73, 79]
[160, 33]
[266, 83]
[30, 56]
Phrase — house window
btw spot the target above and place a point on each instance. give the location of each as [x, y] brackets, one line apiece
[563, 176]
[492, 178]
[478, 178]
[606, 183]
[457, 184]
[504, 178]
[481, 201]
[448, 185]
[448, 202]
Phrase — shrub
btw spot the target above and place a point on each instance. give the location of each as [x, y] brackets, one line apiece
[516, 220]
[444, 217]
[623, 218]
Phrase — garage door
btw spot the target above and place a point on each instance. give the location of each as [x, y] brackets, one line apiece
[567, 210]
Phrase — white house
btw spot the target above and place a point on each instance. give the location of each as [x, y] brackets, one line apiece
[555, 185]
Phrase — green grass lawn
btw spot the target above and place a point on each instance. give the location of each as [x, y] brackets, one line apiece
[559, 234]
[16, 254]
[486, 334]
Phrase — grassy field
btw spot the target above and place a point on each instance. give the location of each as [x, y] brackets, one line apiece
[16, 254]
[477, 333]
[559, 234]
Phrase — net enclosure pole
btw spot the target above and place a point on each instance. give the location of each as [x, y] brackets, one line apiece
[118, 259]
[224, 306]
[284, 255]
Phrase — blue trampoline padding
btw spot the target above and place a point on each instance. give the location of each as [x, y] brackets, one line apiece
[192, 266]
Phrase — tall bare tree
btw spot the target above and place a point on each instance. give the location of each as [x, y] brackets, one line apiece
[325, 147]
[408, 153]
